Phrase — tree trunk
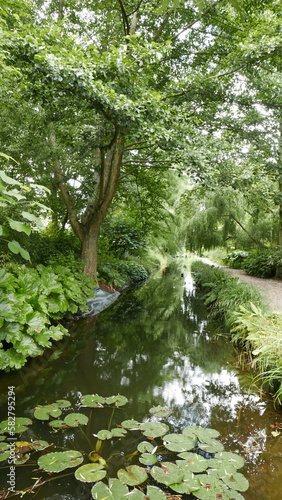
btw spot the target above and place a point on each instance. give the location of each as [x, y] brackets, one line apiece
[96, 210]
[280, 183]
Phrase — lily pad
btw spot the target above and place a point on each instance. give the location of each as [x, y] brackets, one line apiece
[130, 424]
[235, 495]
[62, 403]
[160, 411]
[203, 435]
[167, 474]
[231, 458]
[76, 419]
[90, 473]
[136, 495]
[4, 452]
[58, 424]
[20, 424]
[213, 446]
[104, 434]
[132, 475]
[148, 459]
[118, 432]
[211, 488]
[236, 481]
[22, 459]
[116, 490]
[188, 485]
[46, 411]
[59, 461]
[154, 429]
[179, 442]
[193, 462]
[117, 400]
[145, 447]
[93, 401]
[154, 493]
[40, 445]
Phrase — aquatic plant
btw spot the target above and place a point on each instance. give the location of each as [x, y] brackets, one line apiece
[136, 460]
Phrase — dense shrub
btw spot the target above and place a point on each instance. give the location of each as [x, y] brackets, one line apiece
[35, 300]
[118, 272]
[261, 263]
[236, 259]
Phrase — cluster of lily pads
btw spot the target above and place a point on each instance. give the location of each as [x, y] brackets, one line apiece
[192, 463]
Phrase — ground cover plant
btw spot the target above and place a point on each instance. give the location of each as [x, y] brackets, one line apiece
[251, 325]
[136, 460]
[35, 300]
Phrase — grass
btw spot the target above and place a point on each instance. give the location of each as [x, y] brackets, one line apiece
[251, 324]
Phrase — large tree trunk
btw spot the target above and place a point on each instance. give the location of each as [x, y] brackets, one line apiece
[97, 208]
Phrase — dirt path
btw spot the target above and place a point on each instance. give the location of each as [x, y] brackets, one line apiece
[271, 288]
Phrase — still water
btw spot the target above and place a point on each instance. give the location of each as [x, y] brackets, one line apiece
[156, 346]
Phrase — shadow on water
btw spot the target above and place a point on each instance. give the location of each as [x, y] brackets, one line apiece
[155, 345]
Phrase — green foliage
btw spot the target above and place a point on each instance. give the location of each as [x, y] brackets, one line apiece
[35, 300]
[236, 259]
[121, 236]
[14, 203]
[260, 263]
[120, 272]
[141, 454]
[243, 310]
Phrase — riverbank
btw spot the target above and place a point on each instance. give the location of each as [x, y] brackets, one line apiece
[250, 322]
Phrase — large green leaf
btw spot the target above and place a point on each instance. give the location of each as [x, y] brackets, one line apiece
[117, 400]
[179, 442]
[160, 411]
[132, 475]
[76, 419]
[154, 493]
[21, 425]
[193, 462]
[46, 411]
[90, 473]
[227, 457]
[154, 429]
[19, 226]
[211, 488]
[4, 451]
[130, 424]
[59, 461]
[93, 401]
[16, 248]
[148, 459]
[116, 490]
[236, 481]
[188, 485]
[167, 474]
[145, 447]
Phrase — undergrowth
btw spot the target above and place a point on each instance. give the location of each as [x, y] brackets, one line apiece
[245, 314]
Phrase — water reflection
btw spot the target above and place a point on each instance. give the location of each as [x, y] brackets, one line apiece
[155, 345]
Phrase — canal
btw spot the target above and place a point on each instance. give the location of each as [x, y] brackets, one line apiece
[155, 346]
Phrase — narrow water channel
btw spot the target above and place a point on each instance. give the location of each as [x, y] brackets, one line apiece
[155, 346]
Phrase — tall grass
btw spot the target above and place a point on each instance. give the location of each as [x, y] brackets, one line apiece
[242, 308]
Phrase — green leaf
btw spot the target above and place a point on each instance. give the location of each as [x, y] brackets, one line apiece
[193, 462]
[117, 400]
[154, 493]
[4, 231]
[5, 178]
[58, 424]
[19, 226]
[227, 457]
[39, 445]
[154, 429]
[46, 411]
[116, 490]
[118, 432]
[130, 424]
[93, 400]
[62, 403]
[236, 481]
[59, 461]
[145, 447]
[104, 434]
[4, 451]
[135, 495]
[179, 442]
[16, 248]
[90, 473]
[21, 425]
[148, 459]
[132, 475]
[167, 474]
[76, 419]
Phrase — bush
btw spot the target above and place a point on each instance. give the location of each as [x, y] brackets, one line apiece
[120, 272]
[35, 300]
[236, 259]
[260, 263]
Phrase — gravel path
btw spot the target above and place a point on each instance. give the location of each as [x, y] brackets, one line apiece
[270, 288]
